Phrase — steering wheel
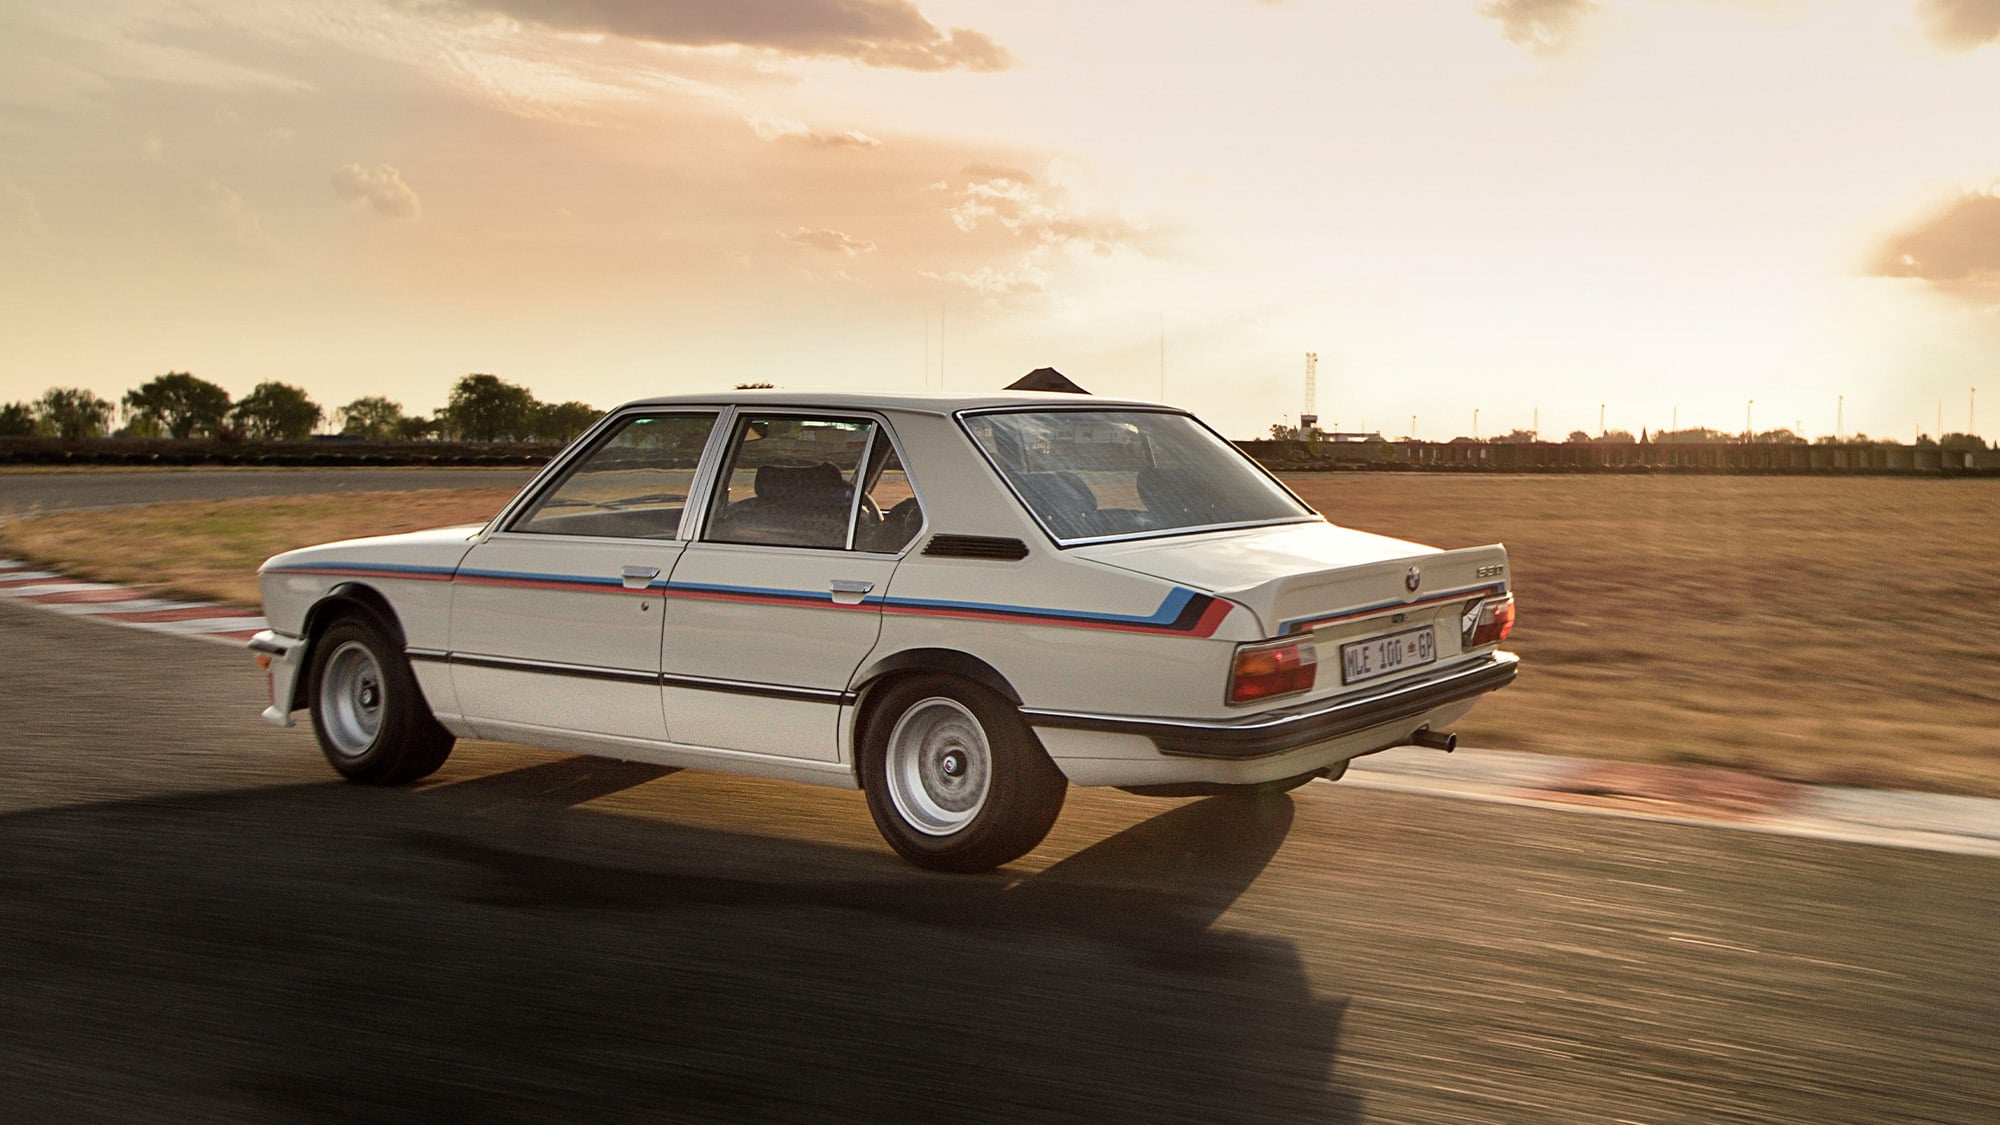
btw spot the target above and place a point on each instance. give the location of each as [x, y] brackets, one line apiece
[869, 509]
[905, 513]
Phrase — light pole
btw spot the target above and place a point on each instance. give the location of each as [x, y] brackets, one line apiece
[1749, 431]
[1600, 419]
[1972, 412]
[1413, 427]
[1839, 409]
[1475, 423]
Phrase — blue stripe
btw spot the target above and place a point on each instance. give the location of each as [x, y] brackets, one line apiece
[1170, 609]
[766, 592]
[529, 576]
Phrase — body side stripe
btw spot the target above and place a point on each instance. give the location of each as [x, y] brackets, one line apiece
[1181, 612]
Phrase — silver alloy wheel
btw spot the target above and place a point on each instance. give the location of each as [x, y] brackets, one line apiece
[350, 699]
[940, 766]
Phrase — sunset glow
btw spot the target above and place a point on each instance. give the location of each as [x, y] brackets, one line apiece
[1525, 207]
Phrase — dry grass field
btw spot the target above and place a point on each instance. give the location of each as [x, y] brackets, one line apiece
[211, 548]
[1807, 628]
[1842, 630]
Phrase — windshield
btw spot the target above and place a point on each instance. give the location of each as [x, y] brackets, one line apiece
[1097, 474]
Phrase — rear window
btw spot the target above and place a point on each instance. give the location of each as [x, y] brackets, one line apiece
[1089, 474]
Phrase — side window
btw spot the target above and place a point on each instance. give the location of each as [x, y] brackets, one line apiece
[791, 482]
[890, 516]
[633, 485]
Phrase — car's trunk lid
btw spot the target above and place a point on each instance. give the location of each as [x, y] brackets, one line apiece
[1300, 578]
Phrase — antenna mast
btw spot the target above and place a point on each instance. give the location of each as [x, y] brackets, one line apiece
[1309, 418]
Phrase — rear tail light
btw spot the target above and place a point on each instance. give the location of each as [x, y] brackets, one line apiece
[1486, 622]
[1270, 670]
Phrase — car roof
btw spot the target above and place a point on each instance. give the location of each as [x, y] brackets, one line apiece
[925, 402]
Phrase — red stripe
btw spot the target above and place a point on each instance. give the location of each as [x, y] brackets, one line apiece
[1212, 619]
[44, 580]
[81, 597]
[566, 587]
[801, 602]
[365, 572]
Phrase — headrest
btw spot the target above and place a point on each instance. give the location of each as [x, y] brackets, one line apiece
[798, 482]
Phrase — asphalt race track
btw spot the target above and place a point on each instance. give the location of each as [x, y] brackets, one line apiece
[197, 922]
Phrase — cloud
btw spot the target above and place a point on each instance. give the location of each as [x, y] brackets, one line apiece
[831, 241]
[778, 129]
[1001, 286]
[152, 147]
[1960, 242]
[1051, 231]
[998, 172]
[1012, 200]
[236, 215]
[381, 189]
[19, 206]
[1961, 24]
[1540, 25]
[883, 33]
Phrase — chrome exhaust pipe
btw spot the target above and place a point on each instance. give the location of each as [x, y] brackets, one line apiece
[1434, 740]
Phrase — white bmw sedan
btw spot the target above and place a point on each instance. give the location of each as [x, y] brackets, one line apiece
[960, 604]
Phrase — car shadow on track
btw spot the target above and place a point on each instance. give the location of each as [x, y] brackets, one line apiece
[491, 950]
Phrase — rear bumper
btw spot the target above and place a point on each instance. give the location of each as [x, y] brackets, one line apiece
[1274, 732]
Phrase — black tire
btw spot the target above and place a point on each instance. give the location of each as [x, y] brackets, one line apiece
[367, 712]
[955, 779]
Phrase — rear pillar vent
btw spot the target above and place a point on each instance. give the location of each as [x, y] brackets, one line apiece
[975, 547]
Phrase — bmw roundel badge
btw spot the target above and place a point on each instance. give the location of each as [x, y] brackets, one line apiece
[1413, 579]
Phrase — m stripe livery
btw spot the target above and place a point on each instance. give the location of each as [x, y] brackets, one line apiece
[1183, 612]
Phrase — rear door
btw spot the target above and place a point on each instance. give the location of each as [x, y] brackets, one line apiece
[776, 603]
[557, 617]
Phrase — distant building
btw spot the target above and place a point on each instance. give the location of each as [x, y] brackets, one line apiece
[1046, 379]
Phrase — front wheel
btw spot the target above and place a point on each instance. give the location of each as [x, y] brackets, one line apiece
[371, 720]
[955, 780]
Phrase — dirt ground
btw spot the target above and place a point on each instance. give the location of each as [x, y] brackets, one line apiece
[1838, 630]
[1817, 629]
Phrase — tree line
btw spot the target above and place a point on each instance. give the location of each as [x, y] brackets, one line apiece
[179, 405]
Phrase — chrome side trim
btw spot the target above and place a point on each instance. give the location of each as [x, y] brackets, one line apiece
[766, 691]
[635, 676]
[578, 671]
[1274, 732]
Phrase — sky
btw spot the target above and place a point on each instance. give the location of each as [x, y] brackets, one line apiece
[1558, 214]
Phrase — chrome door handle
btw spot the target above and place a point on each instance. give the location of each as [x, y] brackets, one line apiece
[849, 591]
[640, 577]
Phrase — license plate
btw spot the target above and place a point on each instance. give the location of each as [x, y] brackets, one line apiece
[1387, 654]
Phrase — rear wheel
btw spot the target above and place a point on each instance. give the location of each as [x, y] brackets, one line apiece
[955, 780]
[371, 720]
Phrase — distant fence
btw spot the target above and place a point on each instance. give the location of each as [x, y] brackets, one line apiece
[1389, 456]
[1879, 458]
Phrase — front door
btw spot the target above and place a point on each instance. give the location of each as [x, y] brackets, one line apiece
[557, 617]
